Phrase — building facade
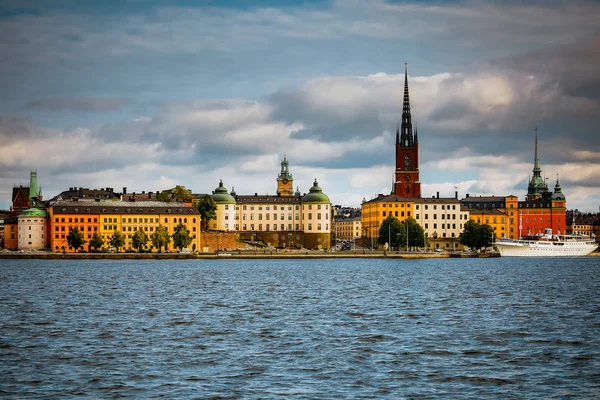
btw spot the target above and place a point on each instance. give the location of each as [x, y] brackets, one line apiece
[442, 219]
[287, 219]
[107, 216]
[376, 210]
[542, 208]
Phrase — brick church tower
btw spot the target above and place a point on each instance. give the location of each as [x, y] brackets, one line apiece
[407, 182]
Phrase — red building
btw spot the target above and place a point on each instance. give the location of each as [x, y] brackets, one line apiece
[542, 208]
[406, 183]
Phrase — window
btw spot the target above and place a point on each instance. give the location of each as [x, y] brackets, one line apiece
[407, 163]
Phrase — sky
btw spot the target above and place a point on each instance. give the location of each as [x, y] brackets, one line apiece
[149, 94]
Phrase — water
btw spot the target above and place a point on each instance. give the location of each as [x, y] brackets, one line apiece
[302, 329]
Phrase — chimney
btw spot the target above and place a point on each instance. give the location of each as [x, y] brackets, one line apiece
[143, 192]
[157, 193]
[124, 189]
[467, 195]
[456, 194]
[437, 195]
[149, 195]
[134, 195]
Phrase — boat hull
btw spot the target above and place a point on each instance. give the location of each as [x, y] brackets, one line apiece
[525, 248]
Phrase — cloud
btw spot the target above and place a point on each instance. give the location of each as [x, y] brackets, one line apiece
[90, 104]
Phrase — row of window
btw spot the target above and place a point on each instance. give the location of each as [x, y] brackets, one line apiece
[281, 208]
[274, 226]
[267, 217]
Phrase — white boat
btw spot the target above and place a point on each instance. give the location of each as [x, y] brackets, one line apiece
[547, 245]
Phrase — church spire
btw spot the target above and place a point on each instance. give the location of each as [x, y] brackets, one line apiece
[536, 161]
[537, 185]
[406, 134]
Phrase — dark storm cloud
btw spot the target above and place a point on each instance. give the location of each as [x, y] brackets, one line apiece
[12, 128]
[574, 67]
[84, 104]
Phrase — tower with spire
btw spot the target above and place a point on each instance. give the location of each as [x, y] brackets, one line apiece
[407, 182]
[285, 181]
[537, 185]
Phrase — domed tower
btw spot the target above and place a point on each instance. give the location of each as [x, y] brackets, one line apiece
[316, 218]
[285, 182]
[32, 229]
[225, 220]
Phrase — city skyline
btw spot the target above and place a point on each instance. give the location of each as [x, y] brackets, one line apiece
[138, 95]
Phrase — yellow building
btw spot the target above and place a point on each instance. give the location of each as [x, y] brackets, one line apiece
[376, 210]
[106, 216]
[500, 212]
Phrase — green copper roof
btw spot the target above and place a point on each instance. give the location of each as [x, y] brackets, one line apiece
[221, 196]
[316, 195]
[33, 212]
[34, 191]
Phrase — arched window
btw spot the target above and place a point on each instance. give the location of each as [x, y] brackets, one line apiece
[407, 189]
[407, 163]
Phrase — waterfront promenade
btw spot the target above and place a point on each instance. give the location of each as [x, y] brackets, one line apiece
[258, 254]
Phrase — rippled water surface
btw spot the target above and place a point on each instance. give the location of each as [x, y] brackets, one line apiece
[313, 329]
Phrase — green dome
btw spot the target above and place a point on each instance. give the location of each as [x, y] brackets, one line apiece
[33, 212]
[316, 195]
[557, 196]
[221, 196]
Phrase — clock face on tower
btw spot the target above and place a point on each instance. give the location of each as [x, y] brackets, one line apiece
[285, 180]
[407, 177]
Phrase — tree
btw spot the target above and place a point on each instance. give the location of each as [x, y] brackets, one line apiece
[163, 196]
[160, 237]
[416, 233]
[181, 236]
[392, 232]
[96, 242]
[179, 192]
[475, 235]
[208, 209]
[75, 239]
[182, 193]
[139, 240]
[117, 240]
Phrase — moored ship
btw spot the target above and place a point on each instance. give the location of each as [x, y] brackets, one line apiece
[547, 245]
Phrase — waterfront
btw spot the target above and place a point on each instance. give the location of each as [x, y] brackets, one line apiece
[322, 328]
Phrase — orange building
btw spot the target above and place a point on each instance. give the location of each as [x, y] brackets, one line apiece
[107, 216]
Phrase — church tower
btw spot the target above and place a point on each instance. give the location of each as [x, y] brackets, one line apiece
[537, 187]
[407, 183]
[285, 182]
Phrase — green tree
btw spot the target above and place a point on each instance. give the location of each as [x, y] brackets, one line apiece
[181, 236]
[163, 196]
[182, 193]
[392, 232]
[139, 240]
[208, 210]
[75, 239]
[160, 237]
[416, 233]
[117, 240]
[96, 242]
[476, 235]
[179, 192]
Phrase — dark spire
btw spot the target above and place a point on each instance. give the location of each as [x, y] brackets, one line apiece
[406, 135]
[537, 184]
